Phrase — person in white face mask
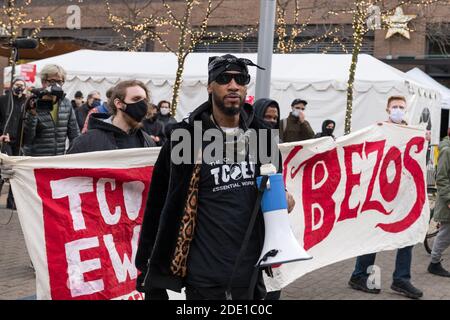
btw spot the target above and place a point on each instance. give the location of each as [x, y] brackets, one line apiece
[295, 127]
[396, 108]
[165, 116]
[401, 278]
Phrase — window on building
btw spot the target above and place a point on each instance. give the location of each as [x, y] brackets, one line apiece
[306, 41]
[438, 49]
[90, 38]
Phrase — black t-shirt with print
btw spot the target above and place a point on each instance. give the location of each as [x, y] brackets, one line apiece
[227, 195]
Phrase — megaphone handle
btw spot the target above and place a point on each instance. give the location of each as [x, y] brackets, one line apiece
[248, 233]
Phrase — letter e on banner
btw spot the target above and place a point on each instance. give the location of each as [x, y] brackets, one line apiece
[92, 220]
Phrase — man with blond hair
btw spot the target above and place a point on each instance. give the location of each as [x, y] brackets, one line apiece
[50, 119]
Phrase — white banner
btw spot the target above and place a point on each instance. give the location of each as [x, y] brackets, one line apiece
[81, 216]
[363, 193]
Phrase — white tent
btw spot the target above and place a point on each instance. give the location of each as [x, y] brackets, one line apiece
[424, 78]
[318, 78]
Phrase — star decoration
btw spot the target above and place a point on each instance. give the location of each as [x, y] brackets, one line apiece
[398, 23]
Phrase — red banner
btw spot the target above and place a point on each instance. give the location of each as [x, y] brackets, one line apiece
[92, 220]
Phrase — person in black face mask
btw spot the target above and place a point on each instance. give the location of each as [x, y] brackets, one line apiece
[10, 128]
[122, 130]
[268, 111]
[327, 129]
[10, 125]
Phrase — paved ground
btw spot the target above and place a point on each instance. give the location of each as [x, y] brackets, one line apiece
[17, 280]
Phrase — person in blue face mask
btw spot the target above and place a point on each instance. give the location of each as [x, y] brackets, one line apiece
[121, 130]
[93, 100]
[98, 106]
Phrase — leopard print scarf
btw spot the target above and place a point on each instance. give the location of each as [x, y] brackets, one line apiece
[186, 231]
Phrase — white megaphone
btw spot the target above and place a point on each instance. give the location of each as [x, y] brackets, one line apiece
[280, 245]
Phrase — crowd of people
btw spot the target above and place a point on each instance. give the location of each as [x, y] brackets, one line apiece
[195, 220]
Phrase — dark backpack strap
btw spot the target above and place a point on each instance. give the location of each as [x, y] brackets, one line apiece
[248, 233]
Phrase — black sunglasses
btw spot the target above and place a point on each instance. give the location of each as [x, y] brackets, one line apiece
[240, 78]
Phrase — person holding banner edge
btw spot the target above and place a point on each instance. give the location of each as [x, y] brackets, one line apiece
[396, 108]
[442, 209]
[194, 216]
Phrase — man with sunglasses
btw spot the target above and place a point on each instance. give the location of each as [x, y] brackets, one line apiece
[47, 129]
[198, 212]
[296, 127]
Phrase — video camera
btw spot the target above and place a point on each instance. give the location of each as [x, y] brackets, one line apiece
[46, 104]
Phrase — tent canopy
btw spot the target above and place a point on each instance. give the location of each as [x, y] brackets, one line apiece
[320, 70]
[424, 78]
[321, 79]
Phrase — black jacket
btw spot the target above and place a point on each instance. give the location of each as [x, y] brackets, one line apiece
[45, 137]
[102, 136]
[168, 121]
[165, 207]
[81, 114]
[154, 128]
[261, 106]
[324, 129]
[15, 122]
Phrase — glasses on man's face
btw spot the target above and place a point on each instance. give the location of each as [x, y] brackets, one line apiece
[398, 107]
[240, 78]
[300, 108]
[54, 82]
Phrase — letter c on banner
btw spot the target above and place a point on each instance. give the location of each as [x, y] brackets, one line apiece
[132, 195]
[110, 218]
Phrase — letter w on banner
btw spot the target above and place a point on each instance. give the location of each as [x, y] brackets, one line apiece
[362, 193]
[81, 216]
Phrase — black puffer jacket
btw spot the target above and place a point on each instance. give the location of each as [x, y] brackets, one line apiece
[45, 137]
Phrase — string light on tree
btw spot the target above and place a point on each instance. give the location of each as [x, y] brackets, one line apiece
[362, 12]
[190, 33]
[286, 42]
[14, 17]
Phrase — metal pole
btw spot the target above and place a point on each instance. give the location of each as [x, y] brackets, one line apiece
[265, 47]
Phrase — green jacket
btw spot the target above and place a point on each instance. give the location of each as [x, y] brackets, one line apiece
[441, 210]
[292, 130]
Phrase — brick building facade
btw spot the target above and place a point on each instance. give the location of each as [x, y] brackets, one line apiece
[423, 49]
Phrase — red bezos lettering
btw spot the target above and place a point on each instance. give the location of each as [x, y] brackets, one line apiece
[321, 178]
[415, 170]
[353, 179]
[389, 190]
[369, 204]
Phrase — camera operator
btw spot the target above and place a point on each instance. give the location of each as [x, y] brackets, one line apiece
[10, 119]
[50, 118]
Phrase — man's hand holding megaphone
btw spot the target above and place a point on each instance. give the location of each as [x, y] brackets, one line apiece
[290, 202]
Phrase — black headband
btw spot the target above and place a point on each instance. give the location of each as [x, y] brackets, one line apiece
[228, 62]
